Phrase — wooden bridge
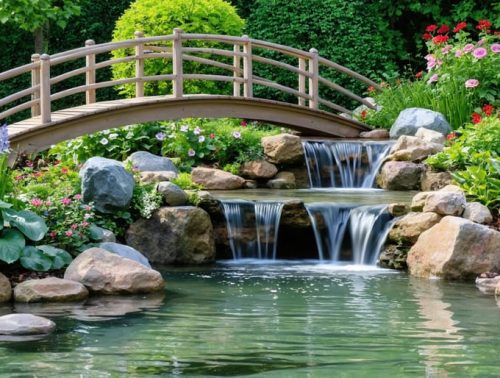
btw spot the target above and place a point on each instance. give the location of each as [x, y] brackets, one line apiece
[235, 55]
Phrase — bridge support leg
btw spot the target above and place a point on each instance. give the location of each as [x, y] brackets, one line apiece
[45, 104]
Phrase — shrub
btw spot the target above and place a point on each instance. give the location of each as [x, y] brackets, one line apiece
[160, 17]
[185, 182]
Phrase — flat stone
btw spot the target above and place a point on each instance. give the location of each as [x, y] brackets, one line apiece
[50, 289]
[127, 252]
[149, 177]
[412, 119]
[172, 194]
[400, 175]
[375, 134]
[216, 179]
[430, 136]
[445, 203]
[144, 161]
[478, 213]
[5, 289]
[408, 228]
[283, 148]
[25, 324]
[258, 169]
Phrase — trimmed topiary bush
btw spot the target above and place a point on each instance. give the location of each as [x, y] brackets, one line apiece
[160, 17]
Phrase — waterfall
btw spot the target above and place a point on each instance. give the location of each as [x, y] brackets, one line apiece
[252, 228]
[368, 228]
[344, 164]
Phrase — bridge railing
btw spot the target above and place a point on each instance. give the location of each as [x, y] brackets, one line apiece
[243, 51]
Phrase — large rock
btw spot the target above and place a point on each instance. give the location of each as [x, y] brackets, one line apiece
[216, 179]
[455, 248]
[488, 285]
[445, 203]
[174, 235]
[478, 213]
[126, 251]
[107, 184]
[172, 194]
[408, 228]
[283, 148]
[5, 289]
[412, 119]
[25, 324]
[258, 169]
[418, 201]
[144, 161]
[430, 136]
[107, 273]
[400, 175]
[411, 148]
[283, 180]
[375, 134]
[431, 181]
[50, 289]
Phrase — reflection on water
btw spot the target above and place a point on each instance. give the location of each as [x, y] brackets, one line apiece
[289, 319]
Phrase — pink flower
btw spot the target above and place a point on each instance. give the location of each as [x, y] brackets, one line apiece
[445, 50]
[85, 224]
[19, 178]
[236, 134]
[468, 47]
[53, 234]
[66, 201]
[69, 233]
[433, 79]
[37, 202]
[471, 83]
[481, 42]
[77, 197]
[74, 226]
[48, 203]
[495, 47]
[429, 57]
[458, 53]
[479, 53]
[191, 152]
[431, 64]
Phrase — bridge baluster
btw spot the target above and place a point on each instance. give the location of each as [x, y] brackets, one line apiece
[139, 65]
[247, 67]
[314, 79]
[45, 103]
[302, 81]
[236, 67]
[178, 82]
[35, 80]
[90, 96]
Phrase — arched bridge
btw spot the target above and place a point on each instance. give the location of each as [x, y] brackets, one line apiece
[309, 113]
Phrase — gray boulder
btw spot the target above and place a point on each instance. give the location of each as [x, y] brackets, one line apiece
[400, 175]
[50, 289]
[445, 203]
[412, 119]
[107, 184]
[145, 161]
[125, 251]
[25, 324]
[477, 213]
[172, 194]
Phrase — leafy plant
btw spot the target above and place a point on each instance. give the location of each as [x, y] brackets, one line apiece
[184, 181]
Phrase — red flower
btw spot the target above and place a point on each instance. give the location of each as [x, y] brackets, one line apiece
[418, 75]
[488, 109]
[437, 40]
[53, 234]
[38, 174]
[427, 36]
[483, 24]
[243, 123]
[451, 135]
[29, 163]
[443, 29]
[212, 136]
[371, 89]
[363, 115]
[459, 26]
[476, 118]
[431, 28]
[64, 170]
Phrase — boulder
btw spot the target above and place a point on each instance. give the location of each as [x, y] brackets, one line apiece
[127, 252]
[488, 285]
[418, 201]
[400, 175]
[25, 324]
[375, 134]
[398, 209]
[174, 235]
[107, 184]
[283, 148]
[478, 213]
[283, 180]
[250, 184]
[411, 148]
[108, 236]
[50, 289]
[149, 177]
[445, 203]
[451, 188]
[5, 289]
[107, 273]
[455, 248]
[144, 161]
[430, 136]
[216, 179]
[431, 181]
[172, 194]
[408, 229]
[258, 169]
[412, 119]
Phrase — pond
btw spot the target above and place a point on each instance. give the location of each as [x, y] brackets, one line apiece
[271, 319]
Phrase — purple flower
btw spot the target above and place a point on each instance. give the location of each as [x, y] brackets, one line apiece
[479, 53]
[191, 152]
[458, 53]
[471, 83]
[445, 50]
[4, 139]
[433, 79]
[495, 47]
[468, 47]
[197, 131]
[160, 136]
[236, 134]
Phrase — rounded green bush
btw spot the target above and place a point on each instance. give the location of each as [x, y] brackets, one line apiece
[160, 17]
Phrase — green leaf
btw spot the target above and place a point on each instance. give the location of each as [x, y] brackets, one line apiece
[30, 224]
[12, 243]
[4, 205]
[34, 259]
[60, 258]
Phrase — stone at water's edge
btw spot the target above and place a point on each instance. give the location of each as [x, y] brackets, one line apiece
[216, 179]
[478, 213]
[411, 119]
[411, 148]
[455, 248]
[431, 181]
[398, 209]
[283, 148]
[375, 134]
[5, 289]
[107, 273]
[258, 169]
[409, 228]
[283, 180]
[25, 324]
[418, 201]
[126, 251]
[172, 194]
[145, 161]
[445, 203]
[400, 175]
[174, 235]
[488, 285]
[50, 289]
[107, 184]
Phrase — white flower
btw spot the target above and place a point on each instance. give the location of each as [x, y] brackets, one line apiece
[201, 139]
[113, 136]
[197, 131]
[184, 128]
[104, 141]
[106, 132]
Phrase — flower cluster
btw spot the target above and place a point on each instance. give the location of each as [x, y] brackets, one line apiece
[4, 139]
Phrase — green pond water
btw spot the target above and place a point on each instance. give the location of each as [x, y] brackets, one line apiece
[281, 319]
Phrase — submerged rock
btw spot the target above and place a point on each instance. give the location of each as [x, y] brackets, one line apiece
[25, 324]
[412, 119]
[400, 175]
[50, 289]
[216, 179]
[283, 148]
[5, 289]
[455, 248]
[144, 161]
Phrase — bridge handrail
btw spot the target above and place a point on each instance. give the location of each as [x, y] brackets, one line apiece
[243, 54]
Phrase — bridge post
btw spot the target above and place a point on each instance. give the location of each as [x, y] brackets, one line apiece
[314, 79]
[236, 70]
[90, 97]
[302, 81]
[139, 65]
[178, 84]
[35, 81]
[247, 67]
[45, 89]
